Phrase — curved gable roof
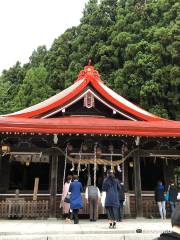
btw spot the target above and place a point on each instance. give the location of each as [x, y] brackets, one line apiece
[86, 76]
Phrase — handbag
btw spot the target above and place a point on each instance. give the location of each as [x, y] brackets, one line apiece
[67, 198]
[166, 197]
[103, 197]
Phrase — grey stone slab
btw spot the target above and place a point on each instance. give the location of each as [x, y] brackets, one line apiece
[23, 237]
[87, 237]
[81, 237]
[140, 236]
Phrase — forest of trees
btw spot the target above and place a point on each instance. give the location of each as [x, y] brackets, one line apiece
[134, 44]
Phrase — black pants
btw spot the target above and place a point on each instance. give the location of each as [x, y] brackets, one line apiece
[75, 216]
[112, 213]
[121, 211]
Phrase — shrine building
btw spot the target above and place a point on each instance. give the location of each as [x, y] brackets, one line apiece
[85, 129]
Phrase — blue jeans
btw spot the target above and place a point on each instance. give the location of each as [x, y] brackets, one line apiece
[172, 204]
[162, 209]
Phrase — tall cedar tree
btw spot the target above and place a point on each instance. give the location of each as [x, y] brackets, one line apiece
[134, 44]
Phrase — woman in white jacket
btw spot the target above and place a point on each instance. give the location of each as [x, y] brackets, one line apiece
[66, 205]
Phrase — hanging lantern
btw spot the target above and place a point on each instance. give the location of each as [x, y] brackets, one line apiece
[124, 149]
[69, 147]
[98, 151]
[131, 164]
[84, 147]
[5, 148]
[111, 148]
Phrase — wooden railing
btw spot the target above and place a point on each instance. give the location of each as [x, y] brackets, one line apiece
[19, 208]
[22, 207]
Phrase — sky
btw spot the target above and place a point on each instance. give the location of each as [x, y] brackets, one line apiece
[27, 24]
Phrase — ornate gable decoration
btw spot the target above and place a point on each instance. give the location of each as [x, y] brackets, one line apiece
[89, 70]
[89, 100]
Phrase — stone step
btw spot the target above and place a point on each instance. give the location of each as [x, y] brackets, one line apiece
[136, 236]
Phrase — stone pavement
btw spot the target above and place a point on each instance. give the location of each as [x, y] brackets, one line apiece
[85, 230]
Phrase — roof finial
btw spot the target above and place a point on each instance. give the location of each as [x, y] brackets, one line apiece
[89, 62]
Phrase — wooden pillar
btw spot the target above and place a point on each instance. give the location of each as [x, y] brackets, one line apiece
[4, 173]
[0, 163]
[126, 179]
[137, 185]
[53, 184]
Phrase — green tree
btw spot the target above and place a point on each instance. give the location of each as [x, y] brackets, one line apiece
[134, 44]
[34, 88]
[38, 56]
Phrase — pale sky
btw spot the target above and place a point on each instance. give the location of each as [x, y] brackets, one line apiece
[27, 24]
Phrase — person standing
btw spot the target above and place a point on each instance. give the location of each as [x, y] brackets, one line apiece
[172, 195]
[75, 198]
[111, 186]
[66, 204]
[160, 199]
[121, 202]
[92, 196]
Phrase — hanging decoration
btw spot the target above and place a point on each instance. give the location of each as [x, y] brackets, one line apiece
[73, 167]
[84, 168]
[100, 161]
[89, 177]
[65, 163]
[98, 151]
[124, 149]
[111, 149]
[95, 163]
[28, 161]
[69, 147]
[89, 100]
[84, 147]
[105, 169]
[166, 161]
[80, 156]
[119, 168]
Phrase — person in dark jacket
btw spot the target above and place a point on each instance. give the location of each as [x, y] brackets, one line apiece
[175, 221]
[75, 198]
[111, 187]
[172, 195]
[121, 201]
[160, 199]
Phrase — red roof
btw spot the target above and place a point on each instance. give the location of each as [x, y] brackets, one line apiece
[34, 119]
[90, 125]
[86, 76]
